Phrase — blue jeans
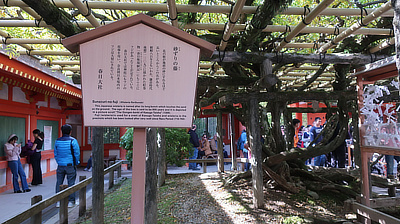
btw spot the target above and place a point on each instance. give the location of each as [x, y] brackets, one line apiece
[194, 156]
[246, 165]
[390, 164]
[320, 160]
[89, 163]
[70, 171]
[16, 169]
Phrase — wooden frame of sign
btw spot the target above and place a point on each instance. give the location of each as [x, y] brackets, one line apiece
[138, 72]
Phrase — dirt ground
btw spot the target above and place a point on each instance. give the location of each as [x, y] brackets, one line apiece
[203, 198]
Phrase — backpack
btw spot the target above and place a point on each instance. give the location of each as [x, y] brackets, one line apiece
[26, 151]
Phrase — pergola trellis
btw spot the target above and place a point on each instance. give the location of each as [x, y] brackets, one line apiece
[230, 28]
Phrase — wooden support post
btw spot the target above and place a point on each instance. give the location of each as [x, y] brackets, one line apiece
[119, 171]
[138, 175]
[220, 147]
[162, 166]
[204, 167]
[256, 156]
[233, 149]
[150, 208]
[98, 175]
[111, 179]
[36, 219]
[63, 207]
[365, 187]
[82, 198]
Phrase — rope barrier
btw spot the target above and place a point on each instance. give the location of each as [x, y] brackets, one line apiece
[5, 39]
[89, 12]
[366, 13]
[176, 17]
[221, 58]
[37, 22]
[5, 2]
[303, 17]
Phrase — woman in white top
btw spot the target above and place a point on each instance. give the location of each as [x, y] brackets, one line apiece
[12, 151]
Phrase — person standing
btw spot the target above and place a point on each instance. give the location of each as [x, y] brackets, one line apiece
[36, 157]
[314, 132]
[12, 151]
[66, 153]
[241, 146]
[194, 139]
[296, 126]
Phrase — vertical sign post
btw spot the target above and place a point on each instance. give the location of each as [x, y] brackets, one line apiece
[138, 72]
[138, 175]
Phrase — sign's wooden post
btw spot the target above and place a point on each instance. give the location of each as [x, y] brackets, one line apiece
[138, 72]
[138, 175]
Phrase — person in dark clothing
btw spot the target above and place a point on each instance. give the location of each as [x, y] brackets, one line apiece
[194, 139]
[339, 154]
[37, 157]
[314, 132]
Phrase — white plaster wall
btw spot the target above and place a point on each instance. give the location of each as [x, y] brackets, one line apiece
[26, 169]
[86, 156]
[41, 103]
[74, 119]
[227, 148]
[54, 103]
[3, 91]
[3, 177]
[43, 165]
[53, 164]
[113, 152]
[19, 95]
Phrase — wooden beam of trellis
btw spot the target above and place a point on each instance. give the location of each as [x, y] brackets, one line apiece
[354, 59]
[47, 52]
[86, 12]
[6, 36]
[363, 22]
[234, 98]
[47, 62]
[213, 26]
[307, 20]
[382, 45]
[160, 7]
[326, 74]
[172, 11]
[233, 18]
[22, 41]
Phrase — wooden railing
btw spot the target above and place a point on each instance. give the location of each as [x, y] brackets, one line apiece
[35, 212]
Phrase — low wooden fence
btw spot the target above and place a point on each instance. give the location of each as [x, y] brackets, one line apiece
[367, 213]
[35, 212]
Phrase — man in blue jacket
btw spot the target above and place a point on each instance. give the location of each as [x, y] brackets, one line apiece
[66, 153]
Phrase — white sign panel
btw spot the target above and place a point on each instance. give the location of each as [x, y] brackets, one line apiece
[138, 77]
[47, 144]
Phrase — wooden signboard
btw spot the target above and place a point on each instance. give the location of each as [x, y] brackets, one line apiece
[141, 75]
[138, 72]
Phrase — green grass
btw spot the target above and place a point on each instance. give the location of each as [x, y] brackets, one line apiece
[166, 199]
[117, 204]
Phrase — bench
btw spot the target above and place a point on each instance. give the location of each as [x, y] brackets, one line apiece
[205, 161]
[108, 160]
